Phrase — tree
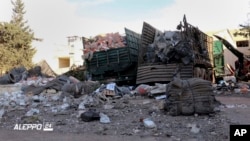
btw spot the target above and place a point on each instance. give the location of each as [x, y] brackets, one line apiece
[15, 40]
[18, 15]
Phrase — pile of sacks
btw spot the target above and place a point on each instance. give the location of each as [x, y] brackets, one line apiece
[191, 96]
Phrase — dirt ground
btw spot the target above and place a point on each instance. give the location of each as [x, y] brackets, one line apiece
[126, 115]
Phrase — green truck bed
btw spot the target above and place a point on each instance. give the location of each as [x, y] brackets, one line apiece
[117, 63]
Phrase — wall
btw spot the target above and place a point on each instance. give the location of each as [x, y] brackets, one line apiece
[61, 57]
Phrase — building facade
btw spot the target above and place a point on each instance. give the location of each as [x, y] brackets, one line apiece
[61, 58]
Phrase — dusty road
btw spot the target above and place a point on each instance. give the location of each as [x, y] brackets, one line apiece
[7, 135]
[237, 112]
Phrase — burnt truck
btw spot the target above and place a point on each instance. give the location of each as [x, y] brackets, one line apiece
[118, 63]
[184, 53]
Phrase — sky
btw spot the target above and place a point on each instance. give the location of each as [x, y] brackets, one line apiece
[55, 20]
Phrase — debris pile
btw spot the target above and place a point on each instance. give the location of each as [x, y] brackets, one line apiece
[111, 89]
[68, 86]
[229, 85]
[78, 72]
[20, 74]
[192, 96]
[168, 47]
[157, 91]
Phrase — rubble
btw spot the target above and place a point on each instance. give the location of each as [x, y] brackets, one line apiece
[149, 123]
[168, 47]
[90, 116]
[104, 118]
[32, 112]
[194, 128]
[230, 86]
[14, 75]
[111, 89]
[120, 103]
[86, 114]
[2, 111]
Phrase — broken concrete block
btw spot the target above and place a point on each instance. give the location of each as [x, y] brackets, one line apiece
[104, 118]
[81, 106]
[149, 123]
[64, 106]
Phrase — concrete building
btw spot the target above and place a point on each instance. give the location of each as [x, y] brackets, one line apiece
[62, 57]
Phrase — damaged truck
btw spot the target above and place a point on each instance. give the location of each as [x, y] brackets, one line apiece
[152, 56]
[112, 57]
[184, 53]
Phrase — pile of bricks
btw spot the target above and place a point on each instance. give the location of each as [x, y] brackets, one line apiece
[104, 42]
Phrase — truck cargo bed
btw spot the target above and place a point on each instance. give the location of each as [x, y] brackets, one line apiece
[119, 64]
[201, 65]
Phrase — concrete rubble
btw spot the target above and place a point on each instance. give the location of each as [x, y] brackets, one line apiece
[229, 85]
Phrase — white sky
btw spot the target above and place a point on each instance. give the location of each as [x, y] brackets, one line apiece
[54, 20]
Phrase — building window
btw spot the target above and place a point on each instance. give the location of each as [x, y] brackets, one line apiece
[64, 62]
[242, 43]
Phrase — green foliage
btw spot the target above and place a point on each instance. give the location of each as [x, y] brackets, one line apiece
[15, 40]
[18, 13]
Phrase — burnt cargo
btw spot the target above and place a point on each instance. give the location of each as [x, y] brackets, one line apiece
[184, 53]
[116, 64]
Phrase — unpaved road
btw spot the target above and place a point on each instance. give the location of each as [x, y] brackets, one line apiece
[7, 135]
[237, 112]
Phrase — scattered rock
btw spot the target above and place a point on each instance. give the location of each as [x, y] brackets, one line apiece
[108, 106]
[81, 106]
[104, 118]
[149, 123]
[32, 112]
[194, 128]
[2, 111]
[51, 91]
[90, 116]
[64, 106]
